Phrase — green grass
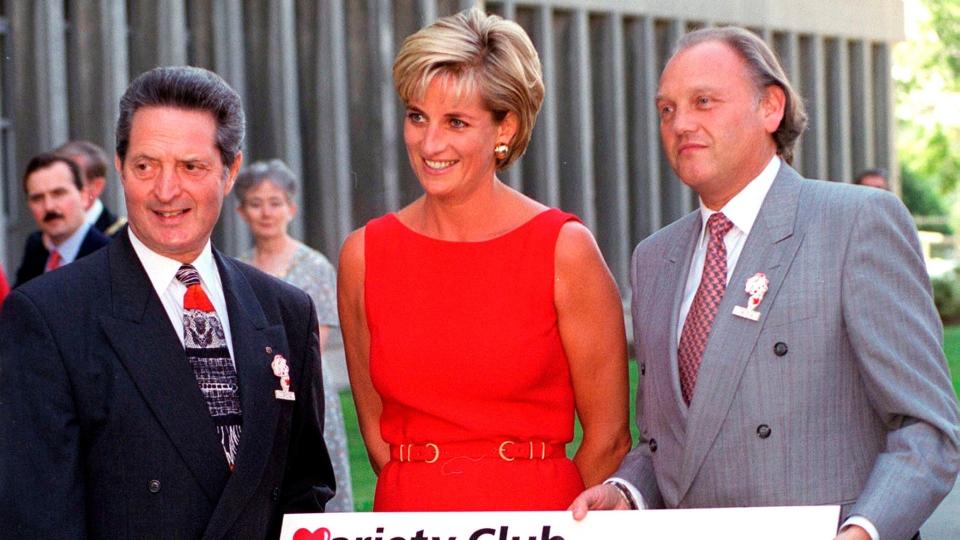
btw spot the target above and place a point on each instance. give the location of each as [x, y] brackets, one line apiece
[951, 346]
[364, 480]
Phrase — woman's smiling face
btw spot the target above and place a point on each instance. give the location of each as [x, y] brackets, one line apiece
[450, 137]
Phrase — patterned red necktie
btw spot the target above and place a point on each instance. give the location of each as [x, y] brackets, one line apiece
[53, 261]
[703, 310]
[207, 352]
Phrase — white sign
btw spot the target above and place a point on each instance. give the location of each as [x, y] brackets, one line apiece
[783, 523]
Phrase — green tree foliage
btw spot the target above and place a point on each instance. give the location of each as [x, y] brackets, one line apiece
[945, 21]
[922, 199]
[933, 152]
[927, 73]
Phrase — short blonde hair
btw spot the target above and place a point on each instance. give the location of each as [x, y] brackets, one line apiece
[482, 52]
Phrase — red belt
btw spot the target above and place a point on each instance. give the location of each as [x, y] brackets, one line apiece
[505, 450]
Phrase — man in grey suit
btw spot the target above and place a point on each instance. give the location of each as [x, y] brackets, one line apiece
[788, 347]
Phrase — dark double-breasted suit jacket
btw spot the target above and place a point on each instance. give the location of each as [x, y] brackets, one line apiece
[35, 254]
[104, 432]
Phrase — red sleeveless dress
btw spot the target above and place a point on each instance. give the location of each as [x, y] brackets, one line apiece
[466, 356]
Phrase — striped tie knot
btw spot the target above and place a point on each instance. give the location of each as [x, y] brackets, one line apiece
[188, 275]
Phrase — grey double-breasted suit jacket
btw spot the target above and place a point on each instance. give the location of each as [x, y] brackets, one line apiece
[838, 394]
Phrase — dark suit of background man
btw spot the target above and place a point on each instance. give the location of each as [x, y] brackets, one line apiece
[788, 346]
[55, 197]
[93, 162]
[138, 399]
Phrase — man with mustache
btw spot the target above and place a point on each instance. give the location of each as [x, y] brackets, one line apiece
[93, 163]
[55, 196]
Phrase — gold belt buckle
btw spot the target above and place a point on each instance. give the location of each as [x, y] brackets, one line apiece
[501, 450]
[543, 450]
[436, 453]
[409, 452]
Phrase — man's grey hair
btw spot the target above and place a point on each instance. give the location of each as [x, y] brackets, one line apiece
[189, 88]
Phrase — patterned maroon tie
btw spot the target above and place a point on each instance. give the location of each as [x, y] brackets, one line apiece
[703, 310]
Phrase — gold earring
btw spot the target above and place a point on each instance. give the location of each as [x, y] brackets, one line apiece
[500, 151]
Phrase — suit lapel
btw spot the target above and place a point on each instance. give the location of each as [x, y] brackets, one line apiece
[92, 241]
[147, 345]
[254, 345]
[770, 248]
[34, 260]
[679, 257]
[670, 280]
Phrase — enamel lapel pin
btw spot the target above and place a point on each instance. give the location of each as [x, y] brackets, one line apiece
[282, 370]
[757, 286]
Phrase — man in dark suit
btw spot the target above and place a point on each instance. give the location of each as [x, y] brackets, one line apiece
[159, 389]
[788, 347]
[55, 196]
[92, 161]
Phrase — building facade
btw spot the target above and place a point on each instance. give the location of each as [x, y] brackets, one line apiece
[315, 79]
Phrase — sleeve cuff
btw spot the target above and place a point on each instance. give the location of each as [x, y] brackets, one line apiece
[864, 523]
[637, 499]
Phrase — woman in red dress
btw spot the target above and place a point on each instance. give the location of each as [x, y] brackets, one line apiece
[476, 320]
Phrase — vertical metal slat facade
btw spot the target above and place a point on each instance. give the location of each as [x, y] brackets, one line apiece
[316, 81]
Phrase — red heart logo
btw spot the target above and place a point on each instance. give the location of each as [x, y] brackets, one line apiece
[322, 533]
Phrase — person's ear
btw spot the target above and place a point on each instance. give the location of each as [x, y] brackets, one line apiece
[232, 175]
[772, 107]
[118, 165]
[507, 129]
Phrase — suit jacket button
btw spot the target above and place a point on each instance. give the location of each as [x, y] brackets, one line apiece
[653, 445]
[154, 486]
[763, 431]
[275, 495]
[643, 369]
[780, 348]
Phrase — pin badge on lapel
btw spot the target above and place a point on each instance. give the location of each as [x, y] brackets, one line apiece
[757, 286]
[281, 370]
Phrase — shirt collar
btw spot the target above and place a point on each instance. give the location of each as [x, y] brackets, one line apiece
[93, 214]
[163, 270]
[70, 247]
[743, 208]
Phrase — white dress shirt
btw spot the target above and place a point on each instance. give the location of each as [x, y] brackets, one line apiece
[93, 213]
[70, 247]
[742, 211]
[162, 272]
